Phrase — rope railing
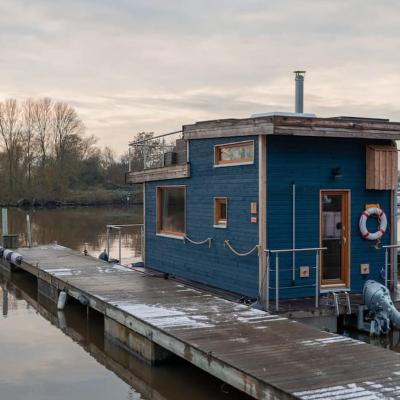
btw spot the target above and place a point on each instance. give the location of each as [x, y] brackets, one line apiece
[208, 240]
[228, 244]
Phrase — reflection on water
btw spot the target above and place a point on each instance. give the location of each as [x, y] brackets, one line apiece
[391, 341]
[82, 227]
[39, 361]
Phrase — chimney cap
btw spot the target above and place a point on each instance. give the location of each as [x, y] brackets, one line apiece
[298, 73]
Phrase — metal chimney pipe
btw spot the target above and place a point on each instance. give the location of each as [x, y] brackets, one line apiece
[299, 96]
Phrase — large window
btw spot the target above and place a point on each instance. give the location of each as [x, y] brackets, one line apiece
[234, 153]
[171, 210]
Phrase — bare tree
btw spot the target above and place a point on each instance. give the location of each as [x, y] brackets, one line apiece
[28, 134]
[42, 117]
[65, 123]
[10, 130]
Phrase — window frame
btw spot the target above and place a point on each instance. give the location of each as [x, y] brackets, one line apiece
[217, 223]
[231, 163]
[159, 231]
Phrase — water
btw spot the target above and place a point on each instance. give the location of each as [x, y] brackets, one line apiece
[47, 355]
[83, 227]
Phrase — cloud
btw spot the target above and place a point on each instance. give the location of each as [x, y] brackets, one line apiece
[134, 65]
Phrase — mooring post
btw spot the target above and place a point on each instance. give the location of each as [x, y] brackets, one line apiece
[5, 301]
[29, 230]
[135, 343]
[4, 221]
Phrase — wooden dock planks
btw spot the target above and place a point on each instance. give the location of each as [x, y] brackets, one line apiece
[266, 356]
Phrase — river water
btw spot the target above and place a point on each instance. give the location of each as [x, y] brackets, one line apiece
[46, 355]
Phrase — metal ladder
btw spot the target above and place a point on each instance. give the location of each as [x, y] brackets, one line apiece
[340, 299]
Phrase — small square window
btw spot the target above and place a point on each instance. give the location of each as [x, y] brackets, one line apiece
[220, 212]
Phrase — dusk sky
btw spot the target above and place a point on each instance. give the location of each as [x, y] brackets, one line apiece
[148, 65]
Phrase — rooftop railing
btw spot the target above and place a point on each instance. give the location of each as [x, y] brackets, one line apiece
[157, 151]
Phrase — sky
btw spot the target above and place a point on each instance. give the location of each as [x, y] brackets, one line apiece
[153, 65]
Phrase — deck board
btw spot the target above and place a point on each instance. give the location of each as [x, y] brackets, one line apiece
[271, 355]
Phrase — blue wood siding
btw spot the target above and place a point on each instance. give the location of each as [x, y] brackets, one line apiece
[308, 162]
[216, 266]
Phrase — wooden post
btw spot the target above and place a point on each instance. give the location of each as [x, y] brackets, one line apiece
[262, 219]
[135, 343]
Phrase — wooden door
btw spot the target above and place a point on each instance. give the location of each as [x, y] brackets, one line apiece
[335, 236]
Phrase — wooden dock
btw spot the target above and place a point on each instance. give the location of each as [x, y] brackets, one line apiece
[264, 355]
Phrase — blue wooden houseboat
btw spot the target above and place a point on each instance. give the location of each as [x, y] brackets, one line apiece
[274, 206]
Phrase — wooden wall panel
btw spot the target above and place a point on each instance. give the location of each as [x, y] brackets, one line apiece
[381, 168]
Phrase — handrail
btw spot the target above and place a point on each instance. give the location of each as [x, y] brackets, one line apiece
[200, 242]
[227, 243]
[119, 227]
[115, 226]
[277, 252]
[386, 247]
[154, 137]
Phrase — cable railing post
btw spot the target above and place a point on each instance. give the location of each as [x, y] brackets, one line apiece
[267, 284]
[317, 257]
[386, 266]
[277, 281]
[119, 244]
[108, 242]
[163, 152]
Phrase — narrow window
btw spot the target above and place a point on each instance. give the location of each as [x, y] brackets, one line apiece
[171, 203]
[234, 153]
[220, 212]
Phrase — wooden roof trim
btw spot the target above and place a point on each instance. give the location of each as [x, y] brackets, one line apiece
[339, 133]
[296, 126]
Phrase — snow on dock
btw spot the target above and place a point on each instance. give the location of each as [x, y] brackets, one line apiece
[264, 355]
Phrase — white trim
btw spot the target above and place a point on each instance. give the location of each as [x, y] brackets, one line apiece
[220, 226]
[170, 236]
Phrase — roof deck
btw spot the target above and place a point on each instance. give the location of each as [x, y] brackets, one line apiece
[296, 125]
[166, 156]
[158, 158]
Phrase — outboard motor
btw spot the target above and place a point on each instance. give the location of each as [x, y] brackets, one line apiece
[103, 255]
[380, 308]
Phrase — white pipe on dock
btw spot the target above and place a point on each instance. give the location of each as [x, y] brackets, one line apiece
[4, 221]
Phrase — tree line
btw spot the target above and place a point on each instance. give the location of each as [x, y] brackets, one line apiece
[46, 154]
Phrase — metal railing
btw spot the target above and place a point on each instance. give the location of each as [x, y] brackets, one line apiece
[157, 152]
[119, 228]
[277, 271]
[387, 263]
